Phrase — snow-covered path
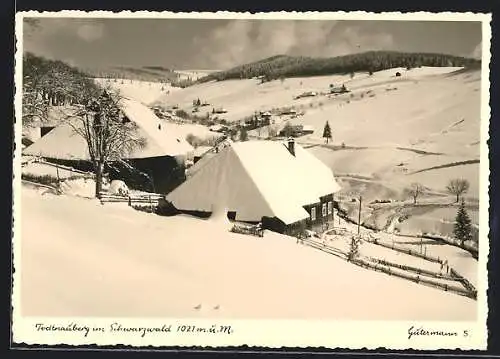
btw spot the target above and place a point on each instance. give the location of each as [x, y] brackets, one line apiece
[79, 258]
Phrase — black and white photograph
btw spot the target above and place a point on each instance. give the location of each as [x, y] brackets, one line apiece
[180, 178]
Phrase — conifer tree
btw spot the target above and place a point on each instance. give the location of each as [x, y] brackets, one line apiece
[353, 249]
[327, 132]
[463, 227]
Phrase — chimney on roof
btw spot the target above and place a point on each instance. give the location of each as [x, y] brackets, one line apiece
[291, 145]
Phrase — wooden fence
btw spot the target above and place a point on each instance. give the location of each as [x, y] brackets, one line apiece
[398, 270]
[464, 281]
[418, 279]
[472, 250]
[253, 230]
[406, 251]
[416, 270]
[330, 250]
[150, 199]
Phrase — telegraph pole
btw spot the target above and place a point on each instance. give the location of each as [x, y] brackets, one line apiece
[359, 213]
[333, 211]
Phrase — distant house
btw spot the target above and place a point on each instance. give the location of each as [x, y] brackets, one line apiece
[218, 128]
[307, 94]
[288, 112]
[307, 130]
[162, 159]
[296, 130]
[219, 110]
[338, 90]
[290, 130]
[279, 184]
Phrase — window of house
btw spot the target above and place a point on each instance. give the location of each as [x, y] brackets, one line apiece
[330, 207]
[313, 214]
[323, 209]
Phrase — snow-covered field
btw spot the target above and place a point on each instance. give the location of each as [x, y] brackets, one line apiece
[142, 91]
[193, 74]
[397, 125]
[185, 129]
[43, 169]
[458, 259]
[80, 258]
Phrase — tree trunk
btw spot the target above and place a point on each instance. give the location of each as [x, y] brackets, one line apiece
[458, 195]
[98, 169]
[415, 200]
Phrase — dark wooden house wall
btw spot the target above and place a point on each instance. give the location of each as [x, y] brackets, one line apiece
[273, 224]
[320, 219]
[166, 172]
[166, 208]
[294, 229]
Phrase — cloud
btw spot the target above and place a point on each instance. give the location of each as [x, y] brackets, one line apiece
[243, 41]
[90, 32]
[49, 37]
[354, 40]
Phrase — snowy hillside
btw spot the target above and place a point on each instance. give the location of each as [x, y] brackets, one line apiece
[388, 131]
[186, 267]
[193, 74]
[142, 91]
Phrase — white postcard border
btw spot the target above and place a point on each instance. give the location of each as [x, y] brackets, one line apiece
[263, 333]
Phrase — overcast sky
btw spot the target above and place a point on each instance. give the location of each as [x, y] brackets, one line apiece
[218, 44]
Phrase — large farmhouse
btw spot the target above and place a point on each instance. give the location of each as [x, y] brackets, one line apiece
[277, 183]
[162, 159]
[39, 128]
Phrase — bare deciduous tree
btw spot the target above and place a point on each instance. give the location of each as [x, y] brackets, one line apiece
[272, 131]
[49, 83]
[34, 107]
[415, 190]
[108, 135]
[458, 187]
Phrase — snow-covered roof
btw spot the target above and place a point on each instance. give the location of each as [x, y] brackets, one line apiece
[256, 179]
[161, 140]
[60, 143]
[201, 150]
[64, 143]
[216, 127]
